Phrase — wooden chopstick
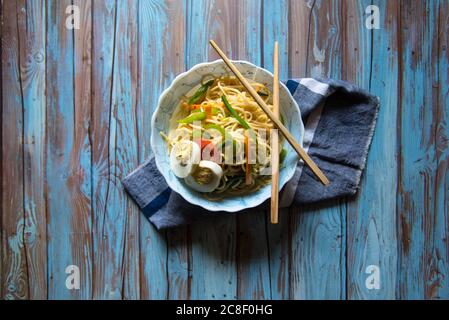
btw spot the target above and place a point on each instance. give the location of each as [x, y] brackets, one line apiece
[302, 154]
[275, 142]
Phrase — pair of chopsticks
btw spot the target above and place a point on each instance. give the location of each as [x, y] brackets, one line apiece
[274, 116]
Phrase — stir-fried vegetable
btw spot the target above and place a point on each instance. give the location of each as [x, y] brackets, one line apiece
[230, 142]
[196, 110]
[196, 116]
[210, 111]
[213, 126]
[247, 165]
[250, 132]
[196, 134]
[200, 93]
[242, 122]
[204, 143]
[234, 113]
[282, 155]
[207, 108]
[209, 150]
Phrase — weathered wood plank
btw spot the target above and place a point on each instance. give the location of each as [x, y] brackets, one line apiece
[30, 17]
[1, 152]
[14, 263]
[127, 138]
[371, 61]
[161, 25]
[253, 269]
[103, 25]
[178, 240]
[421, 262]
[213, 243]
[275, 28]
[82, 144]
[440, 287]
[299, 19]
[178, 256]
[153, 249]
[118, 264]
[317, 232]
[119, 127]
[68, 159]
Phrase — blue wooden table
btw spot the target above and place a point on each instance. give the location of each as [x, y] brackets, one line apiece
[76, 110]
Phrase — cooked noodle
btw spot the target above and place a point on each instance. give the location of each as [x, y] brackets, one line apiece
[233, 180]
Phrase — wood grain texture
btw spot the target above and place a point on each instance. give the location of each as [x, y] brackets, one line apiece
[68, 160]
[299, 24]
[30, 15]
[118, 264]
[124, 99]
[178, 263]
[178, 240]
[103, 32]
[371, 61]
[422, 246]
[14, 264]
[76, 108]
[317, 232]
[160, 59]
[441, 290]
[2, 255]
[82, 144]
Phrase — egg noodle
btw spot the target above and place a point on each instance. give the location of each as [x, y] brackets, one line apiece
[228, 135]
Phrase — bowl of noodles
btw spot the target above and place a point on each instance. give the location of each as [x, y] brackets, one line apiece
[212, 142]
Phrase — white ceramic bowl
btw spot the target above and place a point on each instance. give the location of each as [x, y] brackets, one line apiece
[169, 100]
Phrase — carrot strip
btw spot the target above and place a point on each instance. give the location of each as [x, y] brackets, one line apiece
[209, 110]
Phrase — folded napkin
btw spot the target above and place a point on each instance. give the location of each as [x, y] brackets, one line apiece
[339, 120]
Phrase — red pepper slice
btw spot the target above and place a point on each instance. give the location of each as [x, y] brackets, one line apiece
[204, 143]
[211, 152]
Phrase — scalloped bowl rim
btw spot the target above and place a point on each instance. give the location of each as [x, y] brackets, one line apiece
[153, 136]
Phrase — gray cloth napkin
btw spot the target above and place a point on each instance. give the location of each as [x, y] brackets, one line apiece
[339, 120]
